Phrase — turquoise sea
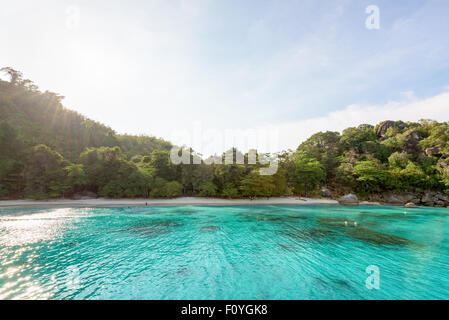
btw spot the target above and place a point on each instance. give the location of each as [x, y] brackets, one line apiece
[258, 252]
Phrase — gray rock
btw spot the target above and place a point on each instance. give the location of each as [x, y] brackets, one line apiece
[325, 192]
[349, 199]
[384, 126]
[428, 197]
[414, 136]
[442, 197]
[401, 198]
[393, 199]
[412, 142]
[439, 203]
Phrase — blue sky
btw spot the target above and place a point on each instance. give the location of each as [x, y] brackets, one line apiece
[152, 67]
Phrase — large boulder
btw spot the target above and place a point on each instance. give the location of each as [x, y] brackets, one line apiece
[349, 199]
[442, 197]
[412, 142]
[439, 200]
[439, 203]
[383, 127]
[393, 199]
[429, 199]
[414, 136]
[326, 192]
[400, 198]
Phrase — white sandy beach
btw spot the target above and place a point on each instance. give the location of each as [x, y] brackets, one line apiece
[103, 202]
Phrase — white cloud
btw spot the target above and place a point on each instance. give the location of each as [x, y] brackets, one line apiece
[437, 108]
[157, 67]
[208, 140]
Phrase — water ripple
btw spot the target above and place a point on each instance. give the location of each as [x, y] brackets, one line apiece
[272, 252]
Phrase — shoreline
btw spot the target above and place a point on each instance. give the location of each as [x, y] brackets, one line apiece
[183, 201]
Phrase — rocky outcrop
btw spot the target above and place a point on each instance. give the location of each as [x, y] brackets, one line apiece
[400, 198]
[383, 127]
[430, 199]
[414, 136]
[349, 199]
[393, 199]
[439, 203]
[326, 192]
[435, 199]
[442, 197]
[412, 142]
[404, 198]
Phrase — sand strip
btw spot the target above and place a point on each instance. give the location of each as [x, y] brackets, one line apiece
[184, 201]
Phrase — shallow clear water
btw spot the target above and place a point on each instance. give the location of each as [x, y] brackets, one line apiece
[262, 252]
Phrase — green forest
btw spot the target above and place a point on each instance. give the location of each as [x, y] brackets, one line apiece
[48, 151]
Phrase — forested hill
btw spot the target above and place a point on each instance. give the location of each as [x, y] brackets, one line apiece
[40, 118]
[29, 117]
[49, 151]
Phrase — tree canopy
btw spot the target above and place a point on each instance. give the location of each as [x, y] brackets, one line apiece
[48, 151]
